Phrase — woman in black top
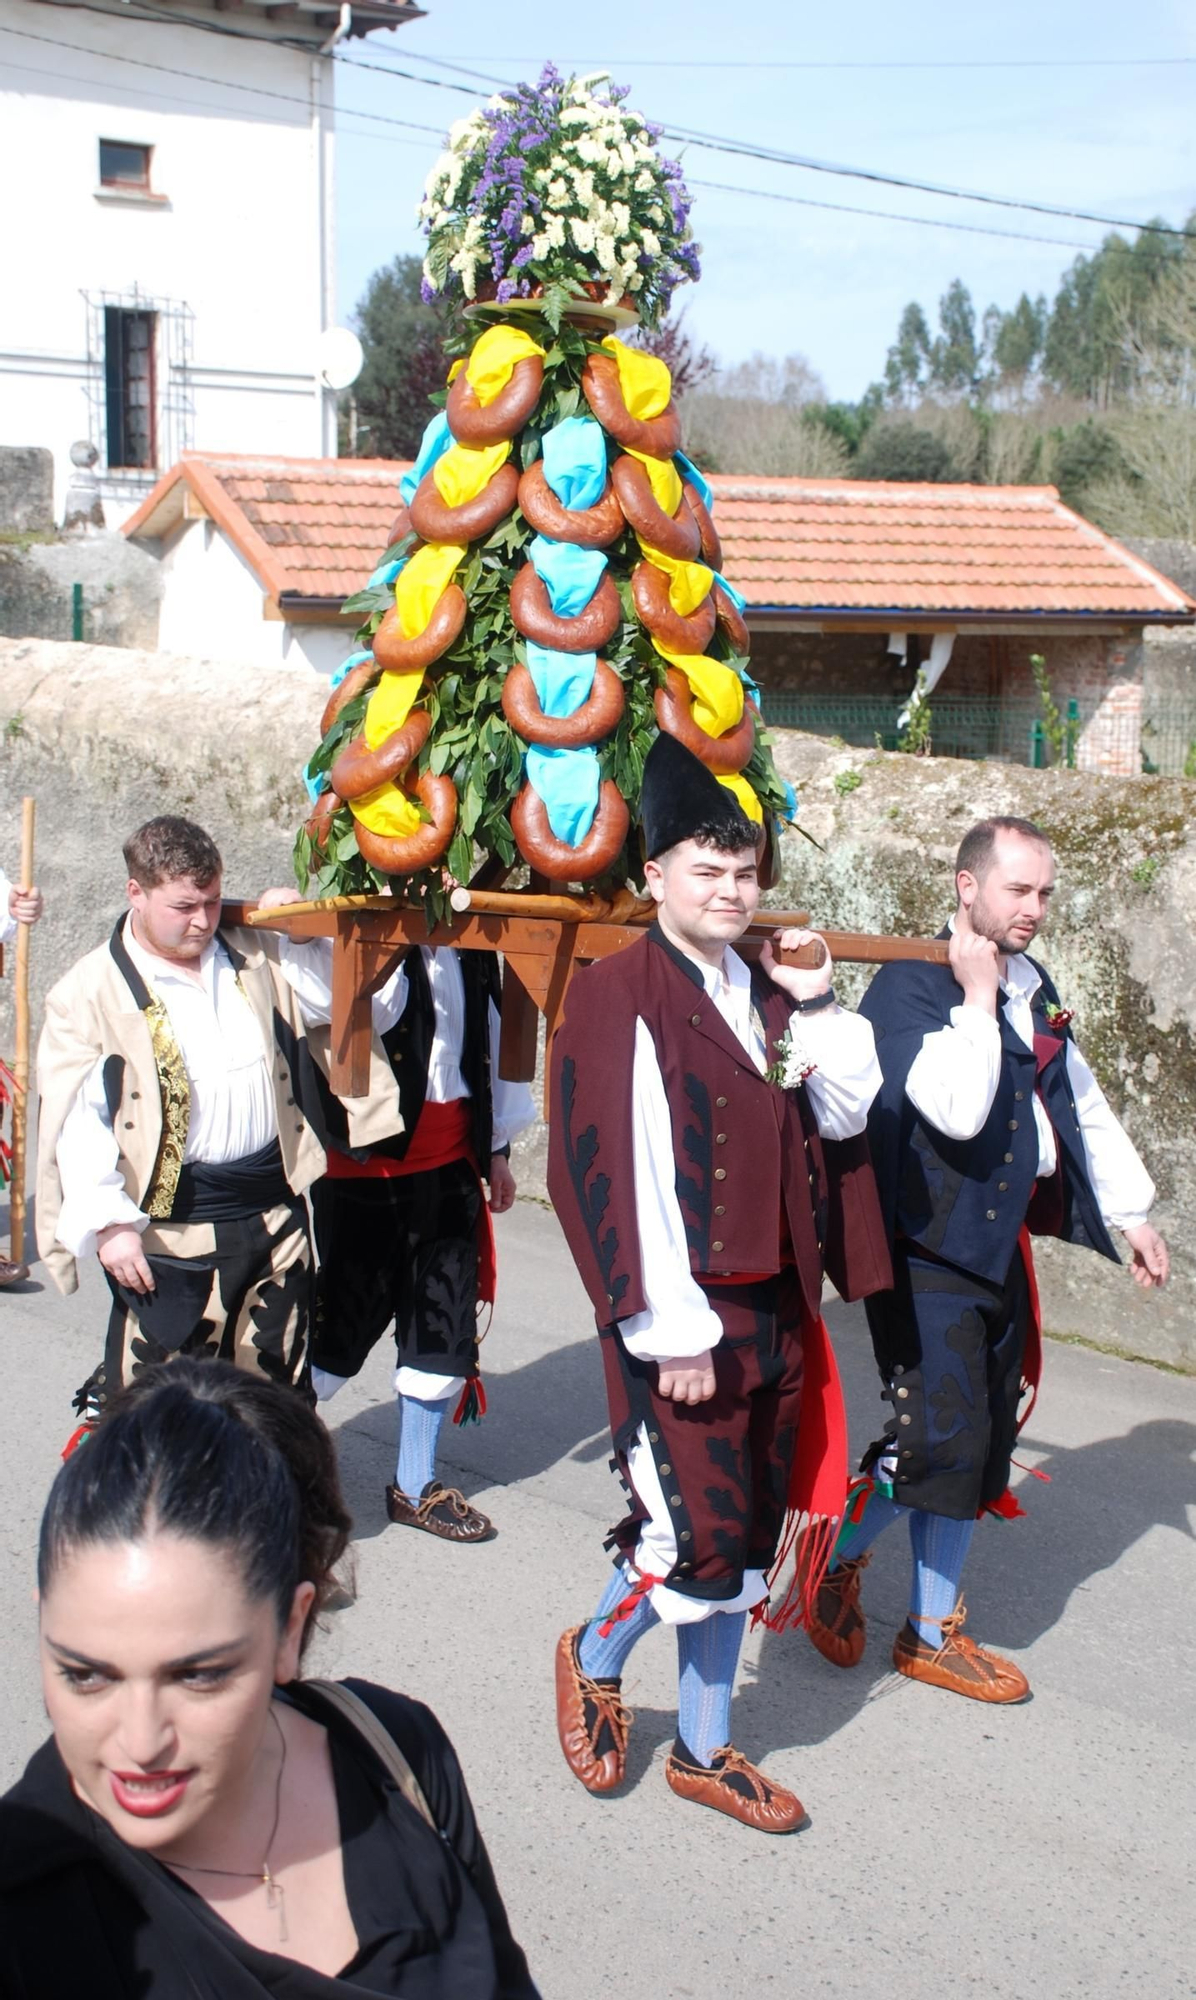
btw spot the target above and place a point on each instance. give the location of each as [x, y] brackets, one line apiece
[203, 1824]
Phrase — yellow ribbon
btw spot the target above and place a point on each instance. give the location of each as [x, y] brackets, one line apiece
[663, 479]
[494, 358]
[645, 382]
[419, 587]
[717, 691]
[464, 469]
[390, 705]
[690, 583]
[744, 797]
[387, 811]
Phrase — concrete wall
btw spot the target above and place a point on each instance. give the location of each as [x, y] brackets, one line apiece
[106, 738]
[121, 585]
[237, 232]
[213, 603]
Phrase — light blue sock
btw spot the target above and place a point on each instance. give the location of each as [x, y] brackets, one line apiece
[879, 1513]
[419, 1429]
[604, 1659]
[707, 1656]
[940, 1548]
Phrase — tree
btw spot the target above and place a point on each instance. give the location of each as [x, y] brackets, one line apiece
[955, 356]
[404, 363]
[908, 362]
[902, 450]
[1014, 340]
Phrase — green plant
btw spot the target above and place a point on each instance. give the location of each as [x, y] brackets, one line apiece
[1190, 761]
[846, 782]
[14, 727]
[1146, 872]
[914, 736]
[1054, 725]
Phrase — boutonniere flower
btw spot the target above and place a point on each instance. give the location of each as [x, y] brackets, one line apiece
[1058, 1017]
[793, 1064]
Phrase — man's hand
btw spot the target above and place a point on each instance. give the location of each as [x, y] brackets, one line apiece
[26, 905]
[120, 1252]
[975, 961]
[1151, 1263]
[688, 1381]
[273, 899]
[799, 982]
[502, 1184]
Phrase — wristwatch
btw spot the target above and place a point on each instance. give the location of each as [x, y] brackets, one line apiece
[816, 1005]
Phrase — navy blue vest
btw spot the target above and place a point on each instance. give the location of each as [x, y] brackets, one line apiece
[965, 1200]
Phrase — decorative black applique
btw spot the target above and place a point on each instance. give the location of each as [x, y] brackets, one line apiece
[592, 1190]
[693, 1191]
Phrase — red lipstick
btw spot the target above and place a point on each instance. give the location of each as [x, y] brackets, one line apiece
[146, 1794]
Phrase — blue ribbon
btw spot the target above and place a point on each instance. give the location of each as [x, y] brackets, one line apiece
[562, 680]
[689, 470]
[567, 781]
[575, 461]
[387, 572]
[347, 666]
[436, 440]
[570, 574]
[736, 596]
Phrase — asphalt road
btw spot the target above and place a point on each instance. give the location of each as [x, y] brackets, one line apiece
[953, 1849]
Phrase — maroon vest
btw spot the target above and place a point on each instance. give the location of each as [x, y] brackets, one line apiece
[751, 1170]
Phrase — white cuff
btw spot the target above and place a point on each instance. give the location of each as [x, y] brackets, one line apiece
[425, 1388]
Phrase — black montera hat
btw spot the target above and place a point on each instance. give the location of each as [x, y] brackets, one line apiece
[681, 797]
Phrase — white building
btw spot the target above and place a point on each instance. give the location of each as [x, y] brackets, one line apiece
[168, 229]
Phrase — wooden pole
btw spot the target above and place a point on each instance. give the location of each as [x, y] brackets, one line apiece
[20, 1103]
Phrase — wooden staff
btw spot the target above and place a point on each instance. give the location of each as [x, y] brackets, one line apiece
[20, 1102]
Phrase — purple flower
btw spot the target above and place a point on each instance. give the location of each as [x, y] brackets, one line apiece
[521, 257]
[506, 290]
[427, 291]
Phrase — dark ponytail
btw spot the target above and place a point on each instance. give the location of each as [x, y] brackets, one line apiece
[203, 1450]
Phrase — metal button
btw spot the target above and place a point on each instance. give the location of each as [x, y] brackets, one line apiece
[720, 1173]
[653, 1437]
[1018, 1096]
[903, 1392]
[686, 1536]
[134, 1093]
[290, 1100]
[1009, 1159]
[665, 1471]
[1002, 1187]
[898, 1371]
[716, 1246]
[992, 1214]
[695, 1020]
[719, 1208]
[675, 1501]
[610, 1298]
[720, 1102]
[128, 1124]
[812, 1179]
[907, 1454]
[903, 1479]
[720, 1138]
[906, 1419]
[1013, 1124]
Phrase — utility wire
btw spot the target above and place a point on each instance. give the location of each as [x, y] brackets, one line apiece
[887, 215]
[669, 62]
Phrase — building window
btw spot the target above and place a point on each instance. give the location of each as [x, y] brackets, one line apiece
[129, 387]
[124, 166]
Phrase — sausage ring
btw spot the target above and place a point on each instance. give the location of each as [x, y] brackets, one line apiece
[674, 535]
[712, 548]
[400, 527]
[586, 527]
[355, 680]
[554, 858]
[692, 634]
[403, 856]
[730, 617]
[534, 617]
[657, 437]
[359, 769]
[318, 824]
[722, 754]
[443, 629]
[472, 422]
[590, 723]
[436, 521]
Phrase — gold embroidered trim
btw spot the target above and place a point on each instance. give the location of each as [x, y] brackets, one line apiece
[176, 1112]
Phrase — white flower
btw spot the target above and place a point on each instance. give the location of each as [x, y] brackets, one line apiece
[622, 217]
[635, 282]
[555, 232]
[558, 192]
[656, 215]
[643, 181]
[583, 234]
[607, 255]
[540, 246]
[649, 243]
[583, 185]
[527, 225]
[627, 155]
[604, 222]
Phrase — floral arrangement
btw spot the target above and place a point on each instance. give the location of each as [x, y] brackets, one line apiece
[794, 1062]
[1058, 1017]
[557, 189]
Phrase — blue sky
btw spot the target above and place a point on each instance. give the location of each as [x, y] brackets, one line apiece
[1117, 140]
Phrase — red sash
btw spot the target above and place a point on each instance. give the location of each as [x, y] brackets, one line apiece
[442, 1134]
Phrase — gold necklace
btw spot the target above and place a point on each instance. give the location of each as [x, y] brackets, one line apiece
[275, 1894]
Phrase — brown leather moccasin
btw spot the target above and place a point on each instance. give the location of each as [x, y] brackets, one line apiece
[733, 1786]
[591, 1719]
[958, 1664]
[837, 1629]
[440, 1510]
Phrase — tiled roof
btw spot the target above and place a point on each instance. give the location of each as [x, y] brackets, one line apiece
[316, 527]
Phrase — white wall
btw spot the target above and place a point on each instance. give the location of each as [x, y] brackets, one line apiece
[238, 239]
[212, 609]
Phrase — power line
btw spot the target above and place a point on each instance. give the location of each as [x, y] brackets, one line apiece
[669, 62]
[887, 215]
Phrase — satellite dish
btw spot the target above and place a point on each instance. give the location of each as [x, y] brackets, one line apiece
[340, 357]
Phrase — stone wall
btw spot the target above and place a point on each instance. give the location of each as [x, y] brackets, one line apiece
[105, 738]
[121, 587]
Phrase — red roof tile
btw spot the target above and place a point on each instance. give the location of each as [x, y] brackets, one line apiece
[316, 528]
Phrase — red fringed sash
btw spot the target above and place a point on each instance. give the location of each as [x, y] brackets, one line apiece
[817, 1485]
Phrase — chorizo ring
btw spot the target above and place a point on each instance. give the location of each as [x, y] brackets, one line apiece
[400, 527]
[554, 858]
[692, 634]
[673, 534]
[318, 824]
[355, 680]
[396, 855]
[721, 754]
[586, 527]
[359, 769]
[436, 521]
[472, 422]
[658, 437]
[712, 548]
[443, 629]
[534, 617]
[590, 723]
[730, 617]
